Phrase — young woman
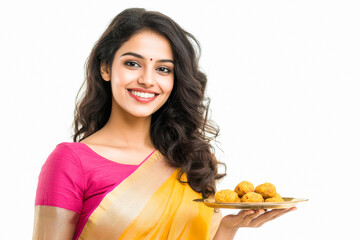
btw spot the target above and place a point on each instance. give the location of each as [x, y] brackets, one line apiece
[141, 150]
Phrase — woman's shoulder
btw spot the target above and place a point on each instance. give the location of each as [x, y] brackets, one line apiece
[61, 183]
[78, 153]
[65, 153]
[69, 147]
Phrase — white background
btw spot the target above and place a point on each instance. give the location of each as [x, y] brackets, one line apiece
[284, 81]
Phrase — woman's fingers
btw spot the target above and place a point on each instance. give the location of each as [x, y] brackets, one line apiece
[249, 218]
[270, 215]
[237, 219]
[243, 214]
[252, 218]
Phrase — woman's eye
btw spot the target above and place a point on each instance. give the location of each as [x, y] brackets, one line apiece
[164, 70]
[132, 64]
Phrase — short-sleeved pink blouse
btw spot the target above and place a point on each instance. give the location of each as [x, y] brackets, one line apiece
[76, 178]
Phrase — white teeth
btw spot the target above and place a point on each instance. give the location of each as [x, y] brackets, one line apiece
[143, 94]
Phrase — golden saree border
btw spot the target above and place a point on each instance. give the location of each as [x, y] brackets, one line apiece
[103, 223]
[172, 214]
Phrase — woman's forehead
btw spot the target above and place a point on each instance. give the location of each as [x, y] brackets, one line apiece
[148, 44]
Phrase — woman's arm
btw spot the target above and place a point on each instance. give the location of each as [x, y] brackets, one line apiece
[249, 218]
[54, 223]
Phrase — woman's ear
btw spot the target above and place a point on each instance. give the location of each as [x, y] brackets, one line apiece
[105, 72]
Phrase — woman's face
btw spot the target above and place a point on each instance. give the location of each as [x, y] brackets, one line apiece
[142, 74]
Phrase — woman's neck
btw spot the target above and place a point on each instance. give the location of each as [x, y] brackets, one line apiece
[125, 130]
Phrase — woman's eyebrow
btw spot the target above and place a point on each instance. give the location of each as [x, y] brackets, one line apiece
[141, 57]
[133, 54]
[166, 60]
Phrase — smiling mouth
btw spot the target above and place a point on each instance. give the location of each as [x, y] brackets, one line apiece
[142, 94]
[145, 96]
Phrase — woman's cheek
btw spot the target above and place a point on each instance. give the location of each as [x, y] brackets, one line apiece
[168, 85]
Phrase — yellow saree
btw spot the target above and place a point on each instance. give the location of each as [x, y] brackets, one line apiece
[151, 204]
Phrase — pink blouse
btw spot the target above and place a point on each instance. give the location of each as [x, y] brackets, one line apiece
[76, 178]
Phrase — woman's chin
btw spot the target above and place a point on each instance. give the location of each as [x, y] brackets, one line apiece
[141, 114]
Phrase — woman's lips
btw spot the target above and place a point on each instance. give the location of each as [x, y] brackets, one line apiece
[142, 96]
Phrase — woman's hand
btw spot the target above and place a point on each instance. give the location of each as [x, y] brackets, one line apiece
[247, 218]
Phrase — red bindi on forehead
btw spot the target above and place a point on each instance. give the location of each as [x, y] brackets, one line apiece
[150, 59]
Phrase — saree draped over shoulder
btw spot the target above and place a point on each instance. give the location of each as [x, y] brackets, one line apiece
[150, 203]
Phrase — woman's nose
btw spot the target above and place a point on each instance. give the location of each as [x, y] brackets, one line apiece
[146, 78]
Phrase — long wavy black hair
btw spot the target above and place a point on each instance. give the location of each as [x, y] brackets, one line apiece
[180, 129]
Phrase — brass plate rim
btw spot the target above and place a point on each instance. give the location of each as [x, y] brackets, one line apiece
[288, 203]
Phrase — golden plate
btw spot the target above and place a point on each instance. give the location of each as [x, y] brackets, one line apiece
[288, 203]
